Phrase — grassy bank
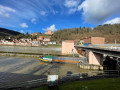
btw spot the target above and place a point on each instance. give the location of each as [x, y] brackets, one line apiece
[101, 84]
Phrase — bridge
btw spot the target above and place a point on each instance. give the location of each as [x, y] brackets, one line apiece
[106, 51]
[96, 55]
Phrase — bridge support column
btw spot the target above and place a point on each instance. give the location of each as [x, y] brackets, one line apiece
[95, 58]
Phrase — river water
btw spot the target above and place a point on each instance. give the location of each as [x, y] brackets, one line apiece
[39, 50]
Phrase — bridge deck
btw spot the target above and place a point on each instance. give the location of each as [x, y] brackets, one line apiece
[111, 52]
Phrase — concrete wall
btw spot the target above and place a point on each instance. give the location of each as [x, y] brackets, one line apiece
[67, 47]
[95, 58]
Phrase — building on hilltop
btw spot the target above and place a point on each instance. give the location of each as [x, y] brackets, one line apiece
[49, 32]
[34, 34]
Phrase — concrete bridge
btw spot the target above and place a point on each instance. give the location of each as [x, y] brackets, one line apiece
[96, 55]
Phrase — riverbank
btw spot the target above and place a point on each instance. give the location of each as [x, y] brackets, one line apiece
[35, 55]
[30, 50]
[41, 46]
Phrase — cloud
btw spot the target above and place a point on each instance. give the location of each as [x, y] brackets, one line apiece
[21, 31]
[24, 25]
[72, 10]
[52, 27]
[33, 20]
[43, 13]
[55, 12]
[4, 11]
[24, 11]
[97, 11]
[72, 5]
[7, 15]
[113, 21]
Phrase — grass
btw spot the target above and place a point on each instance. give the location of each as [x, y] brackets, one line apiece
[101, 84]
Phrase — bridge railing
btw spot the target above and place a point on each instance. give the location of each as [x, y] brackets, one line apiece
[105, 46]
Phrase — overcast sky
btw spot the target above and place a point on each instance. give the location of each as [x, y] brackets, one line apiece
[41, 15]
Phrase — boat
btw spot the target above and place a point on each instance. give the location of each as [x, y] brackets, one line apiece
[55, 59]
[47, 58]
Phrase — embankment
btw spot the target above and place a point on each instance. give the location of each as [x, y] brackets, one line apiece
[21, 54]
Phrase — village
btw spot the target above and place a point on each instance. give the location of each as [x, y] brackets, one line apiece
[40, 40]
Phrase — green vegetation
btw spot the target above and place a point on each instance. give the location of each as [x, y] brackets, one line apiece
[101, 84]
[110, 32]
[27, 35]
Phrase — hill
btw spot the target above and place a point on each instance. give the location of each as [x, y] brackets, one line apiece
[5, 33]
[110, 32]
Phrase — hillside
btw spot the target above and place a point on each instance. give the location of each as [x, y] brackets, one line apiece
[5, 33]
[110, 32]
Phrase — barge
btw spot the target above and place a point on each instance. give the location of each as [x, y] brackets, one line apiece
[55, 59]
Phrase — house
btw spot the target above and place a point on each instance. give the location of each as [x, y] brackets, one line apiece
[35, 42]
[46, 40]
[49, 32]
[39, 38]
[94, 40]
[34, 34]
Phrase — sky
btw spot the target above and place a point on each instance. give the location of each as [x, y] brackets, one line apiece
[42, 15]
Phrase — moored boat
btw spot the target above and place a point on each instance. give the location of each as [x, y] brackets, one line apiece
[47, 58]
[55, 59]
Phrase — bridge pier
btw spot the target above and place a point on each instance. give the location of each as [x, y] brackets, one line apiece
[95, 58]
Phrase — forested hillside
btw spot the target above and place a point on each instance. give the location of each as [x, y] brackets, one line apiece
[110, 32]
[5, 33]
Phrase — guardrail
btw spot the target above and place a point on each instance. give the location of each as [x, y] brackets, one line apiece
[107, 46]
